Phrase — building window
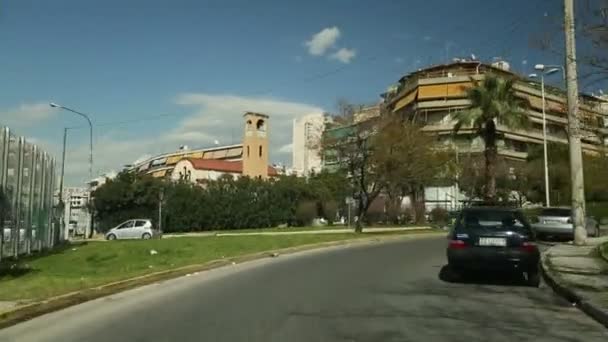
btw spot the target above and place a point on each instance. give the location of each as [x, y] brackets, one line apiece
[247, 150]
[260, 151]
[261, 125]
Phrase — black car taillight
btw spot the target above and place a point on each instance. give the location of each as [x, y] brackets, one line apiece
[457, 244]
[529, 247]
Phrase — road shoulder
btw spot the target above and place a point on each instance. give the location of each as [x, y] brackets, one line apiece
[580, 274]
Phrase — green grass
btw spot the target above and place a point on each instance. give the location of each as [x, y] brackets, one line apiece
[96, 263]
[295, 229]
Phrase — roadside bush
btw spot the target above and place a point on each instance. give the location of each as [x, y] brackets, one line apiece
[330, 211]
[439, 216]
[375, 213]
[222, 204]
[394, 212]
[408, 215]
[306, 212]
[419, 213]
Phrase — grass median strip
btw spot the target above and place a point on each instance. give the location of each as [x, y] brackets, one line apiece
[93, 264]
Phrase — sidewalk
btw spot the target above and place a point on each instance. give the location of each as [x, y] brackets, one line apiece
[580, 273]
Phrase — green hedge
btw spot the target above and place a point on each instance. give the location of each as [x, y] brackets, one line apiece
[226, 203]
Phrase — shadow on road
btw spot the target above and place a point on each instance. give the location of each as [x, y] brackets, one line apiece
[482, 278]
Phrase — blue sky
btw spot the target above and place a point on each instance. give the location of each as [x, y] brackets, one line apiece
[158, 74]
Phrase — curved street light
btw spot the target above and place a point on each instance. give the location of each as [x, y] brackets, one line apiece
[545, 70]
[54, 105]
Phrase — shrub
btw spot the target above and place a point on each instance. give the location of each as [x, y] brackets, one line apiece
[419, 213]
[330, 211]
[306, 212]
[375, 214]
[439, 216]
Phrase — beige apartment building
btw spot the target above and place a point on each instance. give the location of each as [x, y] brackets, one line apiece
[429, 96]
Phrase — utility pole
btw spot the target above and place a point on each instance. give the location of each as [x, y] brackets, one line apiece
[161, 196]
[61, 202]
[574, 135]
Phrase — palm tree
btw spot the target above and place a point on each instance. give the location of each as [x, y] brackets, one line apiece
[493, 101]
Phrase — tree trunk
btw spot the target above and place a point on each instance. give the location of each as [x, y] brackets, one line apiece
[490, 154]
[361, 209]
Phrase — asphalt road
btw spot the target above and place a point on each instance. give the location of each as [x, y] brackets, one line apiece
[381, 292]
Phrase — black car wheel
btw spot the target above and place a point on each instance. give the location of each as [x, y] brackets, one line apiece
[146, 236]
[533, 278]
[454, 274]
[111, 237]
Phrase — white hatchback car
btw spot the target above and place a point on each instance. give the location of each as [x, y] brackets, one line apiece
[133, 229]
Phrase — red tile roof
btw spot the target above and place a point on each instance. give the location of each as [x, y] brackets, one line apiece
[223, 165]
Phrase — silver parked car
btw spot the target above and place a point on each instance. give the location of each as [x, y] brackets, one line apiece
[557, 221]
[133, 229]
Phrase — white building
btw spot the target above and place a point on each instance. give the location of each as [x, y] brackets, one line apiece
[307, 132]
[76, 214]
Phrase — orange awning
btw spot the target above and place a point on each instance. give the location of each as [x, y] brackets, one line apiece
[407, 99]
[159, 174]
[433, 91]
[195, 155]
[174, 159]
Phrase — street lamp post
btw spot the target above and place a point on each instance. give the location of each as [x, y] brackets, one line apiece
[552, 69]
[54, 105]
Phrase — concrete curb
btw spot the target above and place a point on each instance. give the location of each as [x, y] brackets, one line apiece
[31, 310]
[572, 295]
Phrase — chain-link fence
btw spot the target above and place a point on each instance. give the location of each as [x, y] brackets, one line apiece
[27, 183]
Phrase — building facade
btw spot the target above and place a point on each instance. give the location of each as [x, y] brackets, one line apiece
[431, 96]
[306, 143]
[76, 214]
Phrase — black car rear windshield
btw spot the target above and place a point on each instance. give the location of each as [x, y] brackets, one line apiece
[559, 212]
[496, 219]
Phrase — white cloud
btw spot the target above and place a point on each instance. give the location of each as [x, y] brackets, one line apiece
[298, 59]
[427, 38]
[398, 60]
[27, 114]
[323, 40]
[344, 55]
[524, 62]
[287, 148]
[110, 151]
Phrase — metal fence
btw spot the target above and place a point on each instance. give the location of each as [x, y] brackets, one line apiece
[27, 183]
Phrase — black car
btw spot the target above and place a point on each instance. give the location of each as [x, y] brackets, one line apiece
[493, 238]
